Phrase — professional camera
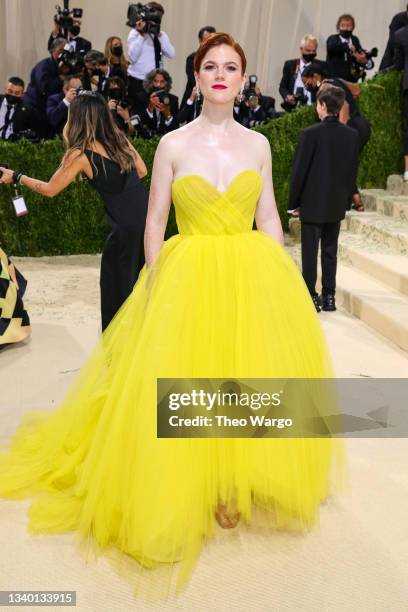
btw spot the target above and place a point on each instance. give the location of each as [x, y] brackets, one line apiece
[249, 93]
[163, 96]
[65, 17]
[150, 16]
[301, 98]
[71, 60]
[360, 70]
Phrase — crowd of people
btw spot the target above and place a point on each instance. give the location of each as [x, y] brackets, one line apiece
[138, 89]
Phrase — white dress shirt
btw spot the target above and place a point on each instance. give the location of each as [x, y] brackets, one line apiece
[299, 82]
[141, 52]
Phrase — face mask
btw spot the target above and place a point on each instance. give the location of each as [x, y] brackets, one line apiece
[96, 72]
[309, 57]
[115, 93]
[117, 51]
[346, 33]
[75, 30]
[12, 100]
[155, 88]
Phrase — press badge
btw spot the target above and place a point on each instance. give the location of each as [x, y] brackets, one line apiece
[20, 206]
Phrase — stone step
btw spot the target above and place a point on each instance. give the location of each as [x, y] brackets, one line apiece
[381, 264]
[383, 309]
[386, 231]
[396, 185]
[382, 202]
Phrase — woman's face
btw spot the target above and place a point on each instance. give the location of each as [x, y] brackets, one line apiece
[220, 76]
[116, 42]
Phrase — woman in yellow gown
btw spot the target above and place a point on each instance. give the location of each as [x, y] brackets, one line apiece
[217, 300]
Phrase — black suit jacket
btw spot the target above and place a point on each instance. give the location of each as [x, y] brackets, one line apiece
[44, 82]
[82, 44]
[401, 54]
[338, 60]
[151, 122]
[57, 112]
[398, 21]
[190, 78]
[324, 171]
[23, 118]
[289, 74]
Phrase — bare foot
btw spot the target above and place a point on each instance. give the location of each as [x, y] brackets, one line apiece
[227, 519]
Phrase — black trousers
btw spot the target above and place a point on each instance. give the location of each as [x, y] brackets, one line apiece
[327, 234]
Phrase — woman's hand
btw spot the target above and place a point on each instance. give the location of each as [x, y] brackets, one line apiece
[7, 176]
[123, 112]
[112, 104]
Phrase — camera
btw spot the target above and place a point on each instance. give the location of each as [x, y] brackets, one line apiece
[71, 60]
[249, 93]
[301, 98]
[65, 17]
[360, 70]
[150, 16]
[163, 96]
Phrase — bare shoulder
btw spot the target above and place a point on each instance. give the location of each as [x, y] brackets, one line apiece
[254, 139]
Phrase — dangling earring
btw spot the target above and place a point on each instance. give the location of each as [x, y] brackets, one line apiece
[240, 95]
[198, 92]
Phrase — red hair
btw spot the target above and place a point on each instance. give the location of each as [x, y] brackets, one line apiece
[215, 40]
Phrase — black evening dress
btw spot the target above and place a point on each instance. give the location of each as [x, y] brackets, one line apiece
[125, 199]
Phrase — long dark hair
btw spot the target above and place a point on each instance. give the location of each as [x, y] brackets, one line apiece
[89, 122]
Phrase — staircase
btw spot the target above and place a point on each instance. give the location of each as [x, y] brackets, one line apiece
[372, 272]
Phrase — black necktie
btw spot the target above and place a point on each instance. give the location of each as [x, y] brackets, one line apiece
[157, 50]
[7, 122]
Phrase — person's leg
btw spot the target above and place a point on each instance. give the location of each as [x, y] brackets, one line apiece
[329, 244]
[310, 236]
[110, 292]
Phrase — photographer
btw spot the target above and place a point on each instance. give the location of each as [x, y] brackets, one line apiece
[15, 118]
[345, 56]
[118, 64]
[203, 34]
[119, 106]
[158, 109]
[146, 45]
[252, 108]
[79, 45]
[291, 86]
[98, 69]
[191, 108]
[58, 104]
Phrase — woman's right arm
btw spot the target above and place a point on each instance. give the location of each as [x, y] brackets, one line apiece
[159, 200]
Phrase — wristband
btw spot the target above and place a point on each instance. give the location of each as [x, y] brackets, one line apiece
[17, 177]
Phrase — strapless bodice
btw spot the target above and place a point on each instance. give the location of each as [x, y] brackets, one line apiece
[202, 209]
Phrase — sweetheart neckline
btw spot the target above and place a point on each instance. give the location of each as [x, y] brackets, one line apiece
[212, 184]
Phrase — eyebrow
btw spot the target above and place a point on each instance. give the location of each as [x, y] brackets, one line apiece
[225, 63]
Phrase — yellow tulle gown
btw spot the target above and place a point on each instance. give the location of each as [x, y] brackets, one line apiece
[222, 300]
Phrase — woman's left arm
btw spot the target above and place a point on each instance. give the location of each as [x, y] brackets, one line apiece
[64, 175]
[140, 165]
[266, 214]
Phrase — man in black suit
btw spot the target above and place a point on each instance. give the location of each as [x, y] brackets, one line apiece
[80, 45]
[45, 81]
[291, 82]
[157, 107]
[401, 63]
[322, 183]
[399, 21]
[15, 117]
[58, 104]
[203, 34]
[344, 51]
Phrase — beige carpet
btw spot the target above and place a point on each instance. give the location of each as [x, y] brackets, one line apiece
[356, 562]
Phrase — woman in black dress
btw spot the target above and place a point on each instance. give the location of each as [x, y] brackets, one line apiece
[114, 168]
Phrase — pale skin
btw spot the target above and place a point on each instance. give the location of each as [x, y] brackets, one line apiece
[221, 147]
[64, 176]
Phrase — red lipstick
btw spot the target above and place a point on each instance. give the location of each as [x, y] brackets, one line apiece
[219, 86]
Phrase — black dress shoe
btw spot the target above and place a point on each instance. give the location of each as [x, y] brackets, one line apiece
[316, 302]
[329, 302]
